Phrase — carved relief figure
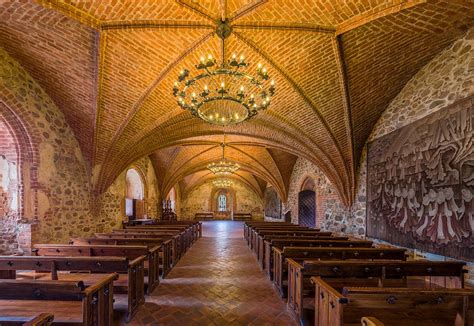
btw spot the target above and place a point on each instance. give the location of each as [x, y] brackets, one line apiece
[421, 183]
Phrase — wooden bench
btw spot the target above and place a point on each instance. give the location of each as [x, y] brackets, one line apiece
[337, 306]
[71, 303]
[166, 252]
[280, 256]
[249, 226]
[48, 267]
[258, 239]
[152, 265]
[207, 216]
[240, 216]
[255, 232]
[185, 237]
[266, 257]
[182, 240]
[370, 273]
[190, 232]
[177, 241]
[196, 226]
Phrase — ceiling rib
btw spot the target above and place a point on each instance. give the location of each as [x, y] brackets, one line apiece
[343, 82]
[296, 88]
[152, 87]
[285, 27]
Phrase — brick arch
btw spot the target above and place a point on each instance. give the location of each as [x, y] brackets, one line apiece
[142, 179]
[308, 184]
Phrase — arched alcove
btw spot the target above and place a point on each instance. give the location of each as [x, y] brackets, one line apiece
[135, 194]
[307, 204]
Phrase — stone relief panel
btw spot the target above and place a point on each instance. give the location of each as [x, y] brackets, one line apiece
[272, 203]
[420, 183]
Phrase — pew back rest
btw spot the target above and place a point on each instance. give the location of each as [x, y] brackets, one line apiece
[53, 264]
[130, 252]
[383, 269]
[321, 243]
[409, 306]
[41, 290]
[343, 253]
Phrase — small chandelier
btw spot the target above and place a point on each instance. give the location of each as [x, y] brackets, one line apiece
[222, 183]
[223, 167]
[226, 95]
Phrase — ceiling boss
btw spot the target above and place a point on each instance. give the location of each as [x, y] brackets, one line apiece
[227, 93]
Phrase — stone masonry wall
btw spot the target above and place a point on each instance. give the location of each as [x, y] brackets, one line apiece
[61, 188]
[331, 214]
[199, 200]
[56, 185]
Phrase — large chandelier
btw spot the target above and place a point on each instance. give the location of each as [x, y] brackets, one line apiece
[222, 183]
[223, 167]
[224, 95]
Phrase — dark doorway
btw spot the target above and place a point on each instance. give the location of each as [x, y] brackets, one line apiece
[307, 208]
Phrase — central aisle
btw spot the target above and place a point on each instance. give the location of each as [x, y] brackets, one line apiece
[217, 282]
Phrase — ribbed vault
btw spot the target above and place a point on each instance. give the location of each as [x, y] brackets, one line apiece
[110, 68]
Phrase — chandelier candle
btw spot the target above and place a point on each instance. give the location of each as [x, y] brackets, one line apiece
[225, 95]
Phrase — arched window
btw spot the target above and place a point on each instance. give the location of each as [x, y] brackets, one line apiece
[135, 186]
[172, 198]
[222, 203]
[9, 176]
[135, 195]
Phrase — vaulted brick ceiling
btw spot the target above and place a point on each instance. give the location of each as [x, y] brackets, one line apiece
[110, 66]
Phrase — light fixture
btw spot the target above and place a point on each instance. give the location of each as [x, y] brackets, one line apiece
[223, 167]
[222, 183]
[225, 95]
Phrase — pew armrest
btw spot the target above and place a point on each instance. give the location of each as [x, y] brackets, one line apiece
[40, 320]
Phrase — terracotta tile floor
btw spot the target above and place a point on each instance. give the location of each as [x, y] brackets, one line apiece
[217, 282]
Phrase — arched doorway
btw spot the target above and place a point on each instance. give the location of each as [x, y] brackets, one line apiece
[307, 204]
[135, 195]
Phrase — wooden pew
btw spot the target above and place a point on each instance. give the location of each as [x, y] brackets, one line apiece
[177, 242]
[370, 273]
[208, 216]
[241, 216]
[196, 226]
[265, 257]
[248, 226]
[166, 253]
[267, 249]
[280, 256]
[152, 265]
[256, 231]
[51, 267]
[43, 319]
[258, 239]
[71, 303]
[338, 306]
[185, 235]
[182, 239]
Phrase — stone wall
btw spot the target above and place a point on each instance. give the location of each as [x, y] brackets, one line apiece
[331, 214]
[55, 191]
[201, 199]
